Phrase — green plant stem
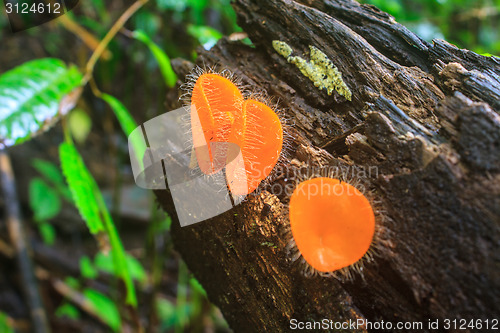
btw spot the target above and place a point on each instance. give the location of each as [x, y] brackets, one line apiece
[109, 36]
[18, 239]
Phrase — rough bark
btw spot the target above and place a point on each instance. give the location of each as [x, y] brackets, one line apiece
[426, 115]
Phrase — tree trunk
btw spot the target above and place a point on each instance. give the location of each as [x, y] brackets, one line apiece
[425, 116]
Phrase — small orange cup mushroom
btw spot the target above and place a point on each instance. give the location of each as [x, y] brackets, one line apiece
[332, 223]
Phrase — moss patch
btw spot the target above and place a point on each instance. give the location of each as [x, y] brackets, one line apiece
[320, 70]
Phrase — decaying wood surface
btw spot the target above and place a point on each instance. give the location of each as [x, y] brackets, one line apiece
[426, 115]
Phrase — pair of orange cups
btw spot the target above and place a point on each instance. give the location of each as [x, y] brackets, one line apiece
[243, 135]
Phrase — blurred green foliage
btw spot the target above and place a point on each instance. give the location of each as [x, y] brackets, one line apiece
[45, 197]
[67, 310]
[45, 204]
[161, 58]
[104, 307]
[104, 262]
[5, 326]
[470, 24]
[79, 124]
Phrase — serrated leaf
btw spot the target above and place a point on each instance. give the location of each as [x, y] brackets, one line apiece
[44, 200]
[30, 97]
[160, 56]
[89, 201]
[104, 307]
[82, 186]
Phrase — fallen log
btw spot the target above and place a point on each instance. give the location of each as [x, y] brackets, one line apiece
[424, 115]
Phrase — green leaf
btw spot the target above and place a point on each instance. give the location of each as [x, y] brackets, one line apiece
[67, 310]
[72, 282]
[44, 200]
[48, 170]
[90, 203]
[167, 315]
[135, 268]
[125, 119]
[54, 175]
[127, 124]
[105, 263]
[175, 5]
[48, 233]
[148, 21]
[87, 269]
[82, 186]
[206, 36]
[160, 56]
[160, 226]
[198, 8]
[79, 124]
[5, 326]
[30, 97]
[196, 285]
[104, 307]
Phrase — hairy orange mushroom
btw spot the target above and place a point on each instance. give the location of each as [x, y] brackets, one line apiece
[215, 102]
[332, 223]
[259, 135]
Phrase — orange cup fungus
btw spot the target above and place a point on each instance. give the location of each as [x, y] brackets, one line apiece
[215, 102]
[219, 114]
[332, 223]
